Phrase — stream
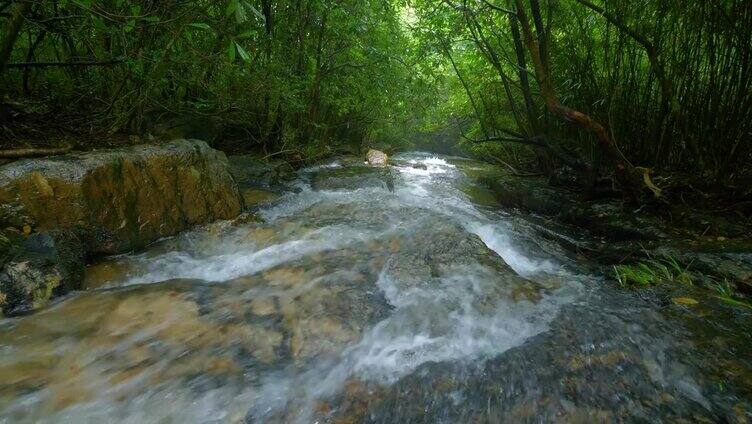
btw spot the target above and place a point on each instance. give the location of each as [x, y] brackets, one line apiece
[403, 294]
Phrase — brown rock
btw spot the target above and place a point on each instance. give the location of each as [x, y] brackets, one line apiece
[124, 198]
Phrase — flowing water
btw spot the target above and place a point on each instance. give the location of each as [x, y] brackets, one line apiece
[361, 295]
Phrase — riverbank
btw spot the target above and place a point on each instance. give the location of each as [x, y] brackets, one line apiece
[675, 245]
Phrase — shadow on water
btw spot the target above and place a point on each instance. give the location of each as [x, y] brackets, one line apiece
[392, 295]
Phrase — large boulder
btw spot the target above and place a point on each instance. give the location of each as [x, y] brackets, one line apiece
[123, 199]
[253, 172]
[376, 158]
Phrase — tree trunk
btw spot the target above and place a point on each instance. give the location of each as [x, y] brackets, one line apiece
[631, 179]
[482, 42]
[12, 31]
[522, 72]
[670, 108]
[30, 58]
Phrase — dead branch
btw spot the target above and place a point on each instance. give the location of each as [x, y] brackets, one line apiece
[34, 152]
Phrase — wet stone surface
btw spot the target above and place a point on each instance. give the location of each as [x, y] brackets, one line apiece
[347, 301]
[353, 178]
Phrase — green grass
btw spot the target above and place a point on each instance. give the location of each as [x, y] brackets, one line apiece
[651, 272]
[668, 270]
[726, 292]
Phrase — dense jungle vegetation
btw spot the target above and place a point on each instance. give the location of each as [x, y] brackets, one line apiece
[586, 88]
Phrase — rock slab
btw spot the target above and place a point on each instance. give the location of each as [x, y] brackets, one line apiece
[125, 198]
[61, 210]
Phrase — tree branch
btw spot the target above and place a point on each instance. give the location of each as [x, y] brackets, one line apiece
[499, 9]
[28, 153]
[534, 141]
[64, 64]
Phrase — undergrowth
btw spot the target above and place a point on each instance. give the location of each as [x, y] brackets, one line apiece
[651, 272]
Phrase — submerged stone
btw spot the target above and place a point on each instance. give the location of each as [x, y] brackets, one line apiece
[254, 197]
[353, 178]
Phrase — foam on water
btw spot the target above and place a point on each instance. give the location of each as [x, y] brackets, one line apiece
[435, 322]
[459, 317]
[239, 258]
[442, 320]
[500, 242]
[424, 189]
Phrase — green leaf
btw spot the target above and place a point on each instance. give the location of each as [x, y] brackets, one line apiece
[231, 7]
[247, 34]
[130, 25]
[243, 54]
[98, 23]
[231, 51]
[200, 25]
[240, 15]
[255, 11]
[83, 3]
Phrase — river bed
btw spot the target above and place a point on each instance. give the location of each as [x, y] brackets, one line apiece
[360, 295]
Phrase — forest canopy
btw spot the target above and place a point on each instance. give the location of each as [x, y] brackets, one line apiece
[598, 87]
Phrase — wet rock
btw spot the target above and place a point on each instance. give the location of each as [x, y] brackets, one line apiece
[104, 273]
[42, 266]
[12, 215]
[252, 172]
[254, 197]
[353, 178]
[619, 370]
[124, 198]
[713, 264]
[608, 219]
[376, 158]
[444, 250]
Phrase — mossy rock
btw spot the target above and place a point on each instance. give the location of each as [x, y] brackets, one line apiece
[40, 267]
[124, 198]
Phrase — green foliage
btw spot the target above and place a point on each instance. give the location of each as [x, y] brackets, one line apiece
[651, 272]
[667, 82]
[277, 75]
[726, 292]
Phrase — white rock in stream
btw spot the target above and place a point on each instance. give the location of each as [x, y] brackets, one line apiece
[376, 158]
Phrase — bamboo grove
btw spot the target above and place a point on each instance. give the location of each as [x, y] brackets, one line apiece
[604, 87]
[657, 83]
